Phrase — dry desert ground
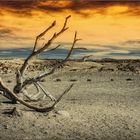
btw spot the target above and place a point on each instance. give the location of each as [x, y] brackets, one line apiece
[104, 103]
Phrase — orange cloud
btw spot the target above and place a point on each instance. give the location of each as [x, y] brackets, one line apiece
[78, 6]
[21, 21]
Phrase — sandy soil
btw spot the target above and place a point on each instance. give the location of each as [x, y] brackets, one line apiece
[104, 103]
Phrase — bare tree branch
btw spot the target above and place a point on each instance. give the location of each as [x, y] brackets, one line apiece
[55, 35]
[85, 57]
[46, 93]
[22, 84]
[39, 109]
[35, 97]
[5, 92]
[24, 66]
[55, 48]
[42, 34]
[35, 52]
[38, 78]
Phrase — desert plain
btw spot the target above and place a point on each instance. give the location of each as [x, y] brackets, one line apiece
[104, 103]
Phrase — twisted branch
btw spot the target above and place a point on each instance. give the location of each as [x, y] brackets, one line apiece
[21, 85]
[38, 109]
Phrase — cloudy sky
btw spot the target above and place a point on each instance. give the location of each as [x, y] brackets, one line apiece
[99, 23]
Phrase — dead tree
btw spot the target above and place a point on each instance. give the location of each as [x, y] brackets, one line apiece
[22, 83]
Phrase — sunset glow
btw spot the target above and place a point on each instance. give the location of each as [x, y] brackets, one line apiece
[96, 22]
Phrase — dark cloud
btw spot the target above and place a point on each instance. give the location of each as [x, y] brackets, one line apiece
[77, 6]
[132, 42]
[6, 33]
[17, 4]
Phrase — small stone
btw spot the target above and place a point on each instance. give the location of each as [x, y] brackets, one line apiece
[54, 115]
[14, 112]
[73, 70]
[73, 80]
[42, 80]
[92, 67]
[88, 80]
[5, 126]
[33, 125]
[63, 113]
[58, 80]
[45, 132]
[9, 81]
[128, 79]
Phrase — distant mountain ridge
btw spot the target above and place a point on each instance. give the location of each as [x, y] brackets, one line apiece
[78, 53]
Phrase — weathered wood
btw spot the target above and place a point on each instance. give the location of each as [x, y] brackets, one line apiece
[22, 83]
[39, 109]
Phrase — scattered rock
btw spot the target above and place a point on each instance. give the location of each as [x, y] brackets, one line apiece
[5, 126]
[63, 113]
[73, 80]
[105, 69]
[128, 79]
[42, 80]
[9, 81]
[58, 80]
[14, 112]
[128, 67]
[88, 80]
[73, 70]
[111, 79]
[92, 67]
